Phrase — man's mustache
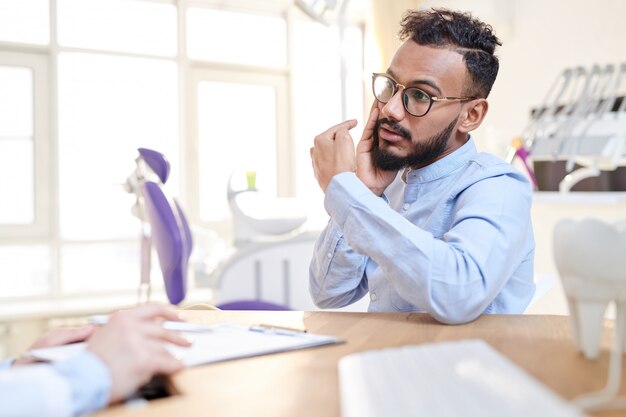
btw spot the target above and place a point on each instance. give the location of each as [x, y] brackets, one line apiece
[393, 126]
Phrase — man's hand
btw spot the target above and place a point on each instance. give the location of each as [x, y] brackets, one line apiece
[56, 337]
[333, 153]
[132, 346]
[374, 178]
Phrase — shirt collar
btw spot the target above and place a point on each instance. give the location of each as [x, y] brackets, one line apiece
[443, 166]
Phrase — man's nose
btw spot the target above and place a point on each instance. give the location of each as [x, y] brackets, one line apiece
[394, 109]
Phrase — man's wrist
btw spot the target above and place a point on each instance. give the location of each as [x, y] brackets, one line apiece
[89, 380]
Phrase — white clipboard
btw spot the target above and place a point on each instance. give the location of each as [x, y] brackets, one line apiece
[217, 343]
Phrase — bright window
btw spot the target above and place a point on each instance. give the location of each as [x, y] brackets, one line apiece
[16, 145]
[26, 270]
[103, 266]
[237, 133]
[118, 25]
[247, 91]
[25, 21]
[317, 99]
[24, 144]
[16, 181]
[237, 38]
[108, 107]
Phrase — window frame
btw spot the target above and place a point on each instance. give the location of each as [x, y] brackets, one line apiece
[38, 64]
[276, 79]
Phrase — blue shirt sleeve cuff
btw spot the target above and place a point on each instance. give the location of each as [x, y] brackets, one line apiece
[89, 381]
[345, 190]
[6, 363]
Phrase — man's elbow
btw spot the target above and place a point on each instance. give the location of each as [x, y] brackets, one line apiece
[319, 298]
[324, 300]
[455, 316]
[323, 303]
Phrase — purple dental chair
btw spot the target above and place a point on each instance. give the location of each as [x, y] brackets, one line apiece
[164, 225]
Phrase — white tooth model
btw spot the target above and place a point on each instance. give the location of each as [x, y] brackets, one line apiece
[590, 256]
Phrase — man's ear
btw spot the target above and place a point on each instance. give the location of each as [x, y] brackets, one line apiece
[474, 115]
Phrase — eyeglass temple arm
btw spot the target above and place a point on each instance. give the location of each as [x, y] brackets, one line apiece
[452, 98]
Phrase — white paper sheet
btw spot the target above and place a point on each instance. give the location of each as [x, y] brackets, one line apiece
[222, 342]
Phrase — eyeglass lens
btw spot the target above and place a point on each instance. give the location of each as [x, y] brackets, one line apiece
[416, 101]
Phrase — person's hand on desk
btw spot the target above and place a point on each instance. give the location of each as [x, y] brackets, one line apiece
[132, 346]
[120, 357]
[56, 337]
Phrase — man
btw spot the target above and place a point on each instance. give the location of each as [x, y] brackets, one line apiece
[120, 357]
[451, 233]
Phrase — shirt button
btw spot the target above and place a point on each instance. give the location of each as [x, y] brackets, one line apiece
[329, 255]
[373, 296]
[406, 206]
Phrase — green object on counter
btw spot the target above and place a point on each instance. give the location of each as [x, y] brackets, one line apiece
[251, 179]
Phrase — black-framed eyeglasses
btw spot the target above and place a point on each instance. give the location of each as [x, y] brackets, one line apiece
[417, 102]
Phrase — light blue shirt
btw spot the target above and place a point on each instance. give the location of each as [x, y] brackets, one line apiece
[453, 239]
[73, 387]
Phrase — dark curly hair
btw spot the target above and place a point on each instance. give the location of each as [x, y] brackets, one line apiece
[460, 32]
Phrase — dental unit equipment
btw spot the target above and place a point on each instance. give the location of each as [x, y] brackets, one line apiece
[582, 121]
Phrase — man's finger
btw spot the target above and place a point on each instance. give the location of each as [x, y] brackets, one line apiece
[154, 310]
[163, 335]
[342, 133]
[165, 363]
[370, 125]
[63, 336]
[348, 124]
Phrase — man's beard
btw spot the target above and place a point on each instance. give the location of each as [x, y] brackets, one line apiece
[421, 154]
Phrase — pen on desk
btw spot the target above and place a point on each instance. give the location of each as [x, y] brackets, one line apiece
[181, 326]
[280, 330]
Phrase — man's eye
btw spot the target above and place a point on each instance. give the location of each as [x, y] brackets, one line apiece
[416, 94]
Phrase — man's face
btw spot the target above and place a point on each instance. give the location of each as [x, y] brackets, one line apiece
[401, 139]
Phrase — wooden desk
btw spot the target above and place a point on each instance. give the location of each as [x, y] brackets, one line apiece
[304, 383]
